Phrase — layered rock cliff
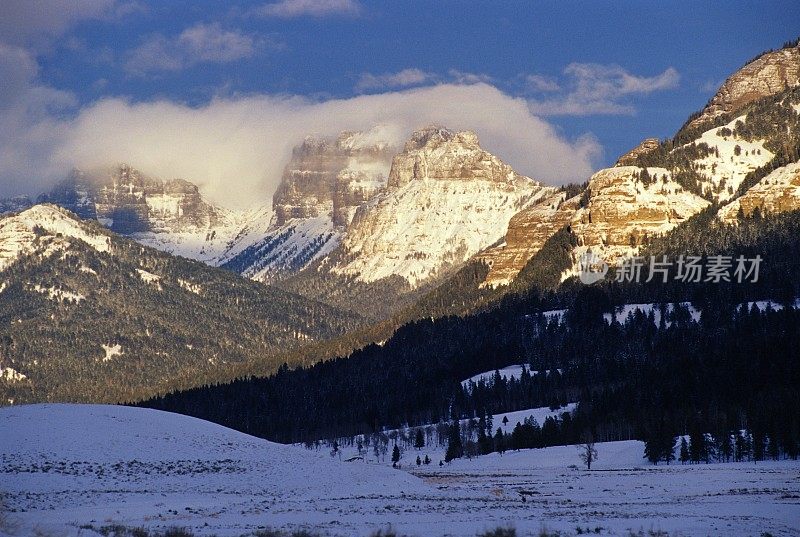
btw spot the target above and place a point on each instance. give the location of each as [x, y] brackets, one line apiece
[332, 177]
[776, 193]
[170, 215]
[626, 207]
[446, 200]
[769, 74]
[324, 183]
[527, 232]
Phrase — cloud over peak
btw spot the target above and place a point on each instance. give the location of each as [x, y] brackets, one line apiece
[235, 149]
[201, 43]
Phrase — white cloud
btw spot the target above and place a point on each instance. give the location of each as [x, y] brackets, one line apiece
[33, 22]
[313, 8]
[29, 128]
[599, 89]
[541, 83]
[202, 43]
[400, 79]
[235, 149]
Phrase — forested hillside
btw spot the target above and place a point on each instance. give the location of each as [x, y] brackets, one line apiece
[611, 369]
[110, 320]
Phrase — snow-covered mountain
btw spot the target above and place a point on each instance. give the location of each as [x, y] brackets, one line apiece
[446, 200]
[170, 215]
[350, 210]
[739, 152]
[89, 315]
[322, 186]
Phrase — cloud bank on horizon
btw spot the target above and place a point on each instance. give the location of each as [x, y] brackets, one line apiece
[235, 148]
[235, 142]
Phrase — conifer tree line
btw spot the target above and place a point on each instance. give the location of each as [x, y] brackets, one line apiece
[661, 374]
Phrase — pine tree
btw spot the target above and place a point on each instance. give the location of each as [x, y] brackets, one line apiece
[725, 447]
[419, 440]
[668, 448]
[697, 442]
[395, 455]
[419, 461]
[455, 450]
[742, 446]
[652, 449]
[427, 460]
[684, 457]
[499, 441]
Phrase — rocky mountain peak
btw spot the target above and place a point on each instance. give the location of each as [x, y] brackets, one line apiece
[446, 199]
[332, 176]
[645, 146]
[440, 153]
[769, 74]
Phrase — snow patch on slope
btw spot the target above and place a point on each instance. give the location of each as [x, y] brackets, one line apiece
[428, 225]
[286, 249]
[727, 170]
[11, 375]
[58, 294]
[149, 277]
[20, 234]
[779, 191]
[111, 351]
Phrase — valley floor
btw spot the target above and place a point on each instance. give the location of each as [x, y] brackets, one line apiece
[65, 469]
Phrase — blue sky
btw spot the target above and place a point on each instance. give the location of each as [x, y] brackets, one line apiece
[591, 78]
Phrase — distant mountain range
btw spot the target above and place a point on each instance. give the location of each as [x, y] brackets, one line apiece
[359, 232]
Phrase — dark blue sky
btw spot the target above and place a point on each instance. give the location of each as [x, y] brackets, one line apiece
[620, 71]
[324, 56]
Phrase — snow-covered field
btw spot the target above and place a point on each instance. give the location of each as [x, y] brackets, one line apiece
[66, 466]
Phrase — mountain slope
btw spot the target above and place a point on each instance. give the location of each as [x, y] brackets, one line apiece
[768, 74]
[446, 200]
[86, 315]
[322, 186]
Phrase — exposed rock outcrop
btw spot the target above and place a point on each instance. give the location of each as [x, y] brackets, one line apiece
[776, 193]
[446, 200]
[769, 74]
[527, 232]
[332, 177]
[646, 146]
[624, 210]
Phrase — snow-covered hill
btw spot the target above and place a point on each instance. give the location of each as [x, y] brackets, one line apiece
[70, 290]
[75, 469]
[63, 466]
[47, 228]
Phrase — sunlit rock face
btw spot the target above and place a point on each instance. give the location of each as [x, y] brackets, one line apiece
[776, 193]
[446, 200]
[769, 74]
[333, 176]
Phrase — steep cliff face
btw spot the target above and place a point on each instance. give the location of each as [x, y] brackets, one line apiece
[169, 215]
[527, 232]
[446, 199]
[332, 177]
[626, 206]
[776, 193]
[769, 74]
[322, 186]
